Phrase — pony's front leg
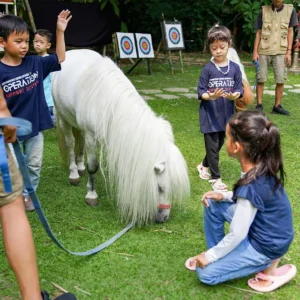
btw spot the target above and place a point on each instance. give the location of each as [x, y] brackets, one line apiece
[91, 197]
[74, 177]
[80, 154]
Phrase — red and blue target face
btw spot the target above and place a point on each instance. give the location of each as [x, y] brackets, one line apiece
[144, 45]
[126, 45]
[174, 35]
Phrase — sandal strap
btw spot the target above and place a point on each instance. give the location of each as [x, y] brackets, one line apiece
[218, 184]
[262, 276]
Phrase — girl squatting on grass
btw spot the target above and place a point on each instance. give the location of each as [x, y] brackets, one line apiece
[258, 210]
[220, 84]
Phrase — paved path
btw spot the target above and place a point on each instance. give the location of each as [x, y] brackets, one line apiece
[171, 93]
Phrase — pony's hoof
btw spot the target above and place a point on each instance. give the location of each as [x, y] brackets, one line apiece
[74, 181]
[81, 172]
[92, 201]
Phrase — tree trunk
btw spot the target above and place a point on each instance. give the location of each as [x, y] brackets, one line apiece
[30, 15]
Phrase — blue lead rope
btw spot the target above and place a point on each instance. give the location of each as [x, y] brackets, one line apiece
[4, 166]
[24, 129]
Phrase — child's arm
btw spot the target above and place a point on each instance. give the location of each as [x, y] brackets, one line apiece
[62, 22]
[8, 131]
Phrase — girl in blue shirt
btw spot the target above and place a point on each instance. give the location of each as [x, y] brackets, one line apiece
[220, 84]
[258, 210]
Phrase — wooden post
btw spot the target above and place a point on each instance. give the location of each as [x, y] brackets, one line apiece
[30, 15]
[115, 48]
[170, 62]
[181, 61]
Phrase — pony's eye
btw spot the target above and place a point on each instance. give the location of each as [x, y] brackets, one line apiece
[160, 189]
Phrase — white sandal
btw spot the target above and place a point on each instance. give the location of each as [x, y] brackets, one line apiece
[203, 172]
[218, 185]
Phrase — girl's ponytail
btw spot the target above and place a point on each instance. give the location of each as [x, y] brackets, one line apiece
[261, 143]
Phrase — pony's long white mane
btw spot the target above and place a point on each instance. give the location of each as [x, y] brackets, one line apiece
[134, 138]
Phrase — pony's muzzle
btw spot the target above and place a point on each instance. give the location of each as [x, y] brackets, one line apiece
[163, 213]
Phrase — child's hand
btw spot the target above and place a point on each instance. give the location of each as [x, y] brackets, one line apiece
[216, 196]
[216, 94]
[10, 133]
[232, 96]
[201, 260]
[63, 19]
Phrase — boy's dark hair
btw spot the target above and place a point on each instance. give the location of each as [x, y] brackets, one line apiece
[44, 33]
[261, 142]
[12, 24]
[219, 33]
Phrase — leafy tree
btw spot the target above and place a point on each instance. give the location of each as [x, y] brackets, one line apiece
[246, 12]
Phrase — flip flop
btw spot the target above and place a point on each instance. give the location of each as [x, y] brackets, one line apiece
[282, 275]
[189, 266]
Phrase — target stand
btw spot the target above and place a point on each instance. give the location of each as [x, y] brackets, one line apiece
[172, 40]
[124, 47]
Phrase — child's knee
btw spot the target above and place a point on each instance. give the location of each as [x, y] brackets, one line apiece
[206, 276]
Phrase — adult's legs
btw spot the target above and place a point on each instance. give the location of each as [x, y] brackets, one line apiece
[261, 77]
[259, 92]
[20, 249]
[280, 74]
[278, 93]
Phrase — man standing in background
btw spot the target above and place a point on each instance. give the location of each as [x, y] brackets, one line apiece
[273, 45]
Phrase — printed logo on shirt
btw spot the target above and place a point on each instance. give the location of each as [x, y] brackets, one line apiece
[226, 84]
[19, 85]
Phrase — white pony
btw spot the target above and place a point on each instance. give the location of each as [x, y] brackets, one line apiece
[145, 167]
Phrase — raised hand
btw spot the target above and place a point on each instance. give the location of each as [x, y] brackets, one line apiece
[216, 94]
[63, 19]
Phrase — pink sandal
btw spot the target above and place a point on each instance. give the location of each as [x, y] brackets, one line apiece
[282, 275]
[190, 264]
[218, 185]
[203, 172]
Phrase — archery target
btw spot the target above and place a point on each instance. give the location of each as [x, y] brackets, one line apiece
[126, 45]
[144, 45]
[173, 35]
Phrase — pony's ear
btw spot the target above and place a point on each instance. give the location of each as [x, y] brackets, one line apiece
[160, 168]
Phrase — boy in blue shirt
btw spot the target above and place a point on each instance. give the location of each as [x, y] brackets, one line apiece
[41, 44]
[21, 79]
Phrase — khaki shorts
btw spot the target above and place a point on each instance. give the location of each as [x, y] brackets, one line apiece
[279, 68]
[16, 181]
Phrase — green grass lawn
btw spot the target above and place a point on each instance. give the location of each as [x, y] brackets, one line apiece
[148, 262]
